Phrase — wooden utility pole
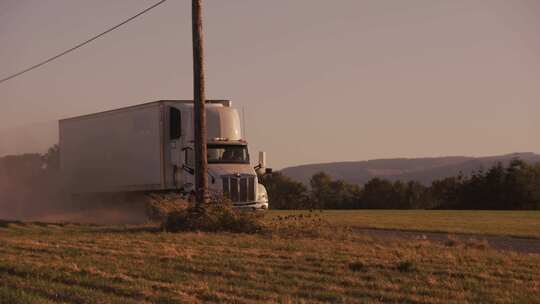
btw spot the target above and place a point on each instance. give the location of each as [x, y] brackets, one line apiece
[199, 99]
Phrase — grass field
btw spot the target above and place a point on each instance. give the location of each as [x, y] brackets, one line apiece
[509, 223]
[50, 263]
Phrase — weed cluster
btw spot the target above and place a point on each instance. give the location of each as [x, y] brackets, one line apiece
[301, 225]
[214, 217]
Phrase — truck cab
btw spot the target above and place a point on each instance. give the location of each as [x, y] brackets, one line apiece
[230, 170]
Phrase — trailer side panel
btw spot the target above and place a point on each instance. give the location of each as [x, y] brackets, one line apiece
[113, 151]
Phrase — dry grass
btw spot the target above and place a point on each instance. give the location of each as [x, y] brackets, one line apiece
[41, 263]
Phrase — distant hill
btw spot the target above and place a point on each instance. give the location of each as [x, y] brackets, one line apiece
[424, 170]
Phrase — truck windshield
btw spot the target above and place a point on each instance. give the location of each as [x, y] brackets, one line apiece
[228, 154]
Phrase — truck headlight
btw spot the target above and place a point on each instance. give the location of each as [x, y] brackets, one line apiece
[262, 195]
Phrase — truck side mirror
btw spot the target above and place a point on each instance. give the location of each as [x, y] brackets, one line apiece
[262, 159]
[261, 166]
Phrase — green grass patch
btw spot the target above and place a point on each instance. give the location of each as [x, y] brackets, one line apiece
[506, 223]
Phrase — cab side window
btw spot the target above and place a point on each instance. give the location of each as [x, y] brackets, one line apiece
[175, 122]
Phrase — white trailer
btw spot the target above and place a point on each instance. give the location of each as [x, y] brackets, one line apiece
[149, 147]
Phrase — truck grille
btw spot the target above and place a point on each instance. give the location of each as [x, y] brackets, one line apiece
[239, 188]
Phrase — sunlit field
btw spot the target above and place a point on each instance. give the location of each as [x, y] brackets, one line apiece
[508, 223]
[68, 263]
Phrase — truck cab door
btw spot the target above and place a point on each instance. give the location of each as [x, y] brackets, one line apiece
[188, 169]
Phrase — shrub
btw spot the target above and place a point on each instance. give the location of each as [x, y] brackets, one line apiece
[406, 266]
[214, 217]
[357, 266]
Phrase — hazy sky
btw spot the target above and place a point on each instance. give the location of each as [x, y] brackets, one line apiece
[320, 80]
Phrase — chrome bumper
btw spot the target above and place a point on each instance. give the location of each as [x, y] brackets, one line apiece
[251, 205]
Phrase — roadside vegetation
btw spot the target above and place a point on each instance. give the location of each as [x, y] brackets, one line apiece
[59, 263]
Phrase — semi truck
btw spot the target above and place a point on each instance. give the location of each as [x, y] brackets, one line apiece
[150, 148]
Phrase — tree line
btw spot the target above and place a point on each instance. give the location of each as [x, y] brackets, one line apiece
[512, 187]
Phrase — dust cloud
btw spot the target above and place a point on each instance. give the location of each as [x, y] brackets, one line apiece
[89, 209]
[32, 189]
[113, 212]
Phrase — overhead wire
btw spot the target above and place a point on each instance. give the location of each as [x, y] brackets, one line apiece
[80, 44]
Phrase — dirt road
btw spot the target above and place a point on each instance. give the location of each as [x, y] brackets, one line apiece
[506, 243]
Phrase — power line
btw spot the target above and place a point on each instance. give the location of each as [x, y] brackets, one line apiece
[80, 44]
